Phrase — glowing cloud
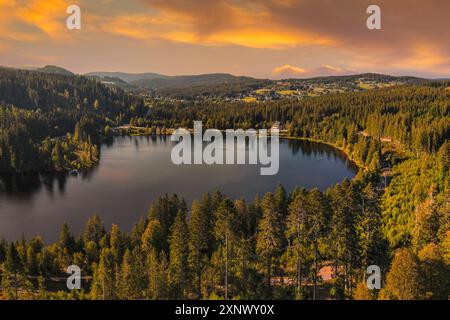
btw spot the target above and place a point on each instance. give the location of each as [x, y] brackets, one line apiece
[248, 36]
[287, 70]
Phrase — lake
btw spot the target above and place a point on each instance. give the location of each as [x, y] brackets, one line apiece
[133, 171]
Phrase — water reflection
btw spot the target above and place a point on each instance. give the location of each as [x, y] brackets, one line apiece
[133, 171]
[23, 185]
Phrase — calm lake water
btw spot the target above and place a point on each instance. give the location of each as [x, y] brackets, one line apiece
[133, 171]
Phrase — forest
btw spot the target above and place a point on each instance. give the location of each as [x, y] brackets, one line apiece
[394, 213]
[52, 122]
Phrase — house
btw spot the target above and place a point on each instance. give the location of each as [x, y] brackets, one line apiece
[277, 125]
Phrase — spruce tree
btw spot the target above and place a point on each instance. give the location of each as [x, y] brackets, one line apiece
[178, 260]
[200, 240]
[225, 223]
[270, 236]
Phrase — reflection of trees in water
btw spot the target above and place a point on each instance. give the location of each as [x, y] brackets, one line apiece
[108, 142]
[148, 139]
[319, 151]
[136, 144]
[151, 139]
[24, 185]
[137, 141]
[20, 182]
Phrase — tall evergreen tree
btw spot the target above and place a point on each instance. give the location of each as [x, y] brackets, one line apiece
[225, 223]
[200, 240]
[343, 238]
[104, 280]
[178, 272]
[270, 236]
[404, 282]
[94, 230]
[116, 243]
[297, 234]
[373, 247]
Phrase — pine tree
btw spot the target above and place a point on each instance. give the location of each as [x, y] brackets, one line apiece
[157, 268]
[66, 240]
[426, 225]
[255, 214]
[42, 291]
[153, 275]
[178, 262]
[104, 280]
[317, 221]
[373, 246]
[225, 223]
[281, 201]
[116, 243]
[343, 236]
[362, 292]
[124, 289]
[3, 249]
[244, 219]
[13, 264]
[270, 235]
[164, 210]
[8, 292]
[32, 261]
[152, 238]
[434, 272]
[297, 234]
[94, 230]
[404, 281]
[200, 240]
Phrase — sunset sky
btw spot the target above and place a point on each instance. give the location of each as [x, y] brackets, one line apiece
[260, 38]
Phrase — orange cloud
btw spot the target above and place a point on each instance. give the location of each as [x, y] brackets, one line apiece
[424, 55]
[328, 68]
[215, 23]
[48, 15]
[414, 34]
[29, 21]
[287, 69]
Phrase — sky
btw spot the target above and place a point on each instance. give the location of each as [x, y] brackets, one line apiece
[260, 38]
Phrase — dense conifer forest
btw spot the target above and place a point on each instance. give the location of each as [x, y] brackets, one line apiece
[394, 213]
[55, 122]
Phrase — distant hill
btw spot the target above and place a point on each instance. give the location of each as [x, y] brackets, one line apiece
[380, 78]
[191, 81]
[55, 70]
[154, 80]
[178, 85]
[228, 85]
[127, 77]
[114, 81]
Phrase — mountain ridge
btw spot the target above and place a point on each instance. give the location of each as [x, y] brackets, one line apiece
[145, 81]
[139, 76]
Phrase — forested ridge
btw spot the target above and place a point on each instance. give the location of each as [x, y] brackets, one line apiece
[415, 116]
[394, 214]
[54, 122]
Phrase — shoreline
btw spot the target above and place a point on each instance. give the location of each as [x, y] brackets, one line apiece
[357, 163]
[168, 131]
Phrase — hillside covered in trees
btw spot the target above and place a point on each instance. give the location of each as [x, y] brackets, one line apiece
[55, 122]
[394, 213]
